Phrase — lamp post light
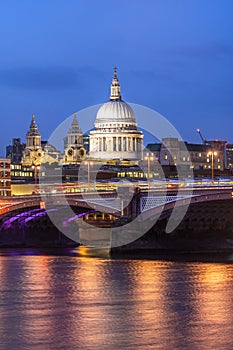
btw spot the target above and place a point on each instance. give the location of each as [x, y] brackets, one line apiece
[35, 168]
[148, 157]
[88, 163]
[212, 154]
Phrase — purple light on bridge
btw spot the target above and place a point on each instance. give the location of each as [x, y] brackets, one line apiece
[33, 214]
[66, 222]
[18, 216]
[37, 215]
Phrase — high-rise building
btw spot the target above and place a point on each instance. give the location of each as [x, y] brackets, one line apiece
[15, 151]
[229, 155]
[116, 135]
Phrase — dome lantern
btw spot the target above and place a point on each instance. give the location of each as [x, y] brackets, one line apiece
[115, 87]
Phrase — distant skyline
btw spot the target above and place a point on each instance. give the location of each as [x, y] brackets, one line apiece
[174, 56]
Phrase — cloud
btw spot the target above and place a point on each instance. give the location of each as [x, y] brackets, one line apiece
[210, 50]
[39, 78]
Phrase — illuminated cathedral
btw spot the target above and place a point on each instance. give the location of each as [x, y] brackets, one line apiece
[116, 135]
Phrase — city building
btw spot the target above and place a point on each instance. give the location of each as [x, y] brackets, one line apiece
[86, 142]
[73, 144]
[5, 177]
[229, 155]
[21, 173]
[15, 151]
[172, 152]
[115, 135]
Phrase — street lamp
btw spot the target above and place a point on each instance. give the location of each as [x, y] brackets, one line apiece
[35, 168]
[88, 163]
[212, 154]
[148, 157]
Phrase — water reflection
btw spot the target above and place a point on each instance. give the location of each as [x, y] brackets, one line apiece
[76, 301]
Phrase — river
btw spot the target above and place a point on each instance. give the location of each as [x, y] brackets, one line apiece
[77, 299]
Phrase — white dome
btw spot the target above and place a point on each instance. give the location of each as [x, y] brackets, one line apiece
[115, 111]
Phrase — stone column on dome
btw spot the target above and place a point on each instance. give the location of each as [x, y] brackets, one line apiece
[108, 144]
[101, 144]
[121, 143]
[138, 144]
[127, 144]
[91, 143]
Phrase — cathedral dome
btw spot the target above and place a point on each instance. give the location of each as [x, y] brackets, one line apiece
[115, 111]
[115, 135]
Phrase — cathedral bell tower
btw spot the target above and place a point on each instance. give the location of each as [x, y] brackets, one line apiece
[33, 151]
[73, 144]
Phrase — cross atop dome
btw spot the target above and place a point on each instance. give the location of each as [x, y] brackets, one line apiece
[115, 87]
[115, 72]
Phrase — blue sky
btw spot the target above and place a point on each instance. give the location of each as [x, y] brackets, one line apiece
[174, 56]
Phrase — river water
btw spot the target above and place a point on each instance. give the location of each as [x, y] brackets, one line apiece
[71, 299]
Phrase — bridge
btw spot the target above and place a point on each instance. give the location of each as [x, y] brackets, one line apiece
[205, 206]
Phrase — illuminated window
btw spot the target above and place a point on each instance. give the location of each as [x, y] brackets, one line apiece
[165, 156]
[199, 154]
[208, 160]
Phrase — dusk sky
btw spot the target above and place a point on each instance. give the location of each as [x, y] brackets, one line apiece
[173, 56]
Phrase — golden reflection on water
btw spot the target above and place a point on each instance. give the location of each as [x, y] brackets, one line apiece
[213, 304]
[100, 303]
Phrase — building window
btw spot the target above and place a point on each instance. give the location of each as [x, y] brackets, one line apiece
[165, 156]
[199, 154]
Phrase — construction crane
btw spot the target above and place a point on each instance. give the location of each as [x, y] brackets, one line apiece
[202, 138]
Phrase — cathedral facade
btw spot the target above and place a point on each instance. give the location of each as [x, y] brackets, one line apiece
[116, 135]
